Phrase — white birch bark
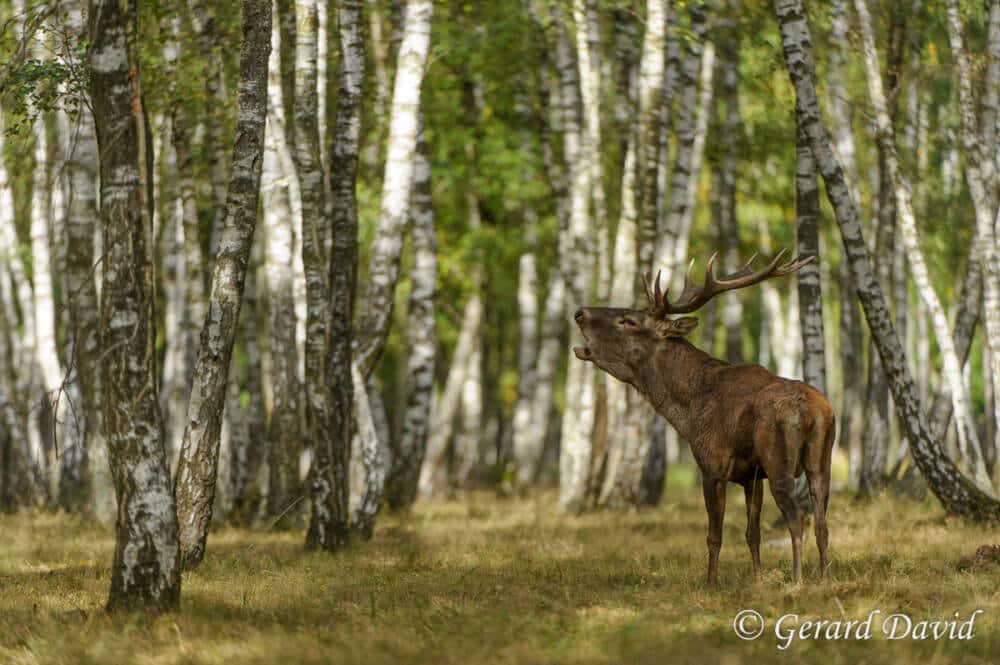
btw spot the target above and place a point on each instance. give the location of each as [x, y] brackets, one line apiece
[951, 367]
[146, 568]
[691, 126]
[958, 494]
[577, 266]
[377, 301]
[468, 438]
[197, 468]
[981, 173]
[443, 422]
[408, 453]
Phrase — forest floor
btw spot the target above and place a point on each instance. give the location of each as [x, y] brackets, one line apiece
[488, 580]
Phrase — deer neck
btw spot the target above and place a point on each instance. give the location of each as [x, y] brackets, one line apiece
[673, 381]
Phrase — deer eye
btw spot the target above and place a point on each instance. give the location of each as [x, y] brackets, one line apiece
[628, 322]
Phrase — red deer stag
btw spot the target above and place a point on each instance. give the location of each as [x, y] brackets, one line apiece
[743, 423]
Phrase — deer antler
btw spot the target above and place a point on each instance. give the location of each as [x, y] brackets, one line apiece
[694, 295]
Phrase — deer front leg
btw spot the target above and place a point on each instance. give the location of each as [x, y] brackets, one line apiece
[754, 491]
[715, 504]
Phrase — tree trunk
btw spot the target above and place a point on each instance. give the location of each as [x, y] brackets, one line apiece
[981, 172]
[408, 453]
[197, 468]
[692, 118]
[577, 267]
[379, 297]
[951, 367]
[957, 494]
[378, 300]
[328, 527]
[146, 568]
[810, 291]
[443, 423]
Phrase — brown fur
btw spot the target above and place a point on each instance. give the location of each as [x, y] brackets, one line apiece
[744, 424]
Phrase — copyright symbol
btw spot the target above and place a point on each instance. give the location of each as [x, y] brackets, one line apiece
[748, 624]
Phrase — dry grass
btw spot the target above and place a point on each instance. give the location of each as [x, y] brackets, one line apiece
[500, 581]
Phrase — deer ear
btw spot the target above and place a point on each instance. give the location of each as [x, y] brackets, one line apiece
[676, 327]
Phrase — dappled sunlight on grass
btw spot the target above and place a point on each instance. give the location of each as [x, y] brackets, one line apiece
[483, 579]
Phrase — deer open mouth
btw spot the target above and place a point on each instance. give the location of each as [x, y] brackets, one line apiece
[583, 352]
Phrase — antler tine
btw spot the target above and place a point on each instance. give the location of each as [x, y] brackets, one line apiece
[694, 296]
[649, 289]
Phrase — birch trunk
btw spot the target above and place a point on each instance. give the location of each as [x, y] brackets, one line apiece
[958, 494]
[732, 142]
[146, 569]
[951, 367]
[851, 337]
[331, 515]
[577, 267]
[408, 454]
[82, 302]
[981, 173]
[691, 127]
[443, 422]
[810, 290]
[628, 416]
[198, 465]
[468, 438]
[377, 303]
[378, 300]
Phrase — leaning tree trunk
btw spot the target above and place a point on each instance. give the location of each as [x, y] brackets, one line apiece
[957, 494]
[146, 568]
[408, 453]
[197, 467]
[328, 527]
[951, 366]
[379, 296]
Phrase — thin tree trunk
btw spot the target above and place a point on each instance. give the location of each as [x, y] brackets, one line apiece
[957, 493]
[328, 527]
[408, 453]
[810, 291]
[577, 267]
[951, 367]
[628, 415]
[443, 422]
[146, 568]
[981, 172]
[692, 125]
[197, 468]
[469, 438]
[378, 300]
[379, 297]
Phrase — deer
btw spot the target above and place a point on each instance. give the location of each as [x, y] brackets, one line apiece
[743, 423]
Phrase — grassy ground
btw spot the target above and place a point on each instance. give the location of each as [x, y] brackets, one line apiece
[484, 580]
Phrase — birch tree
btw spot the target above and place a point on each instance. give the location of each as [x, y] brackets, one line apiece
[951, 367]
[408, 453]
[981, 172]
[197, 468]
[810, 290]
[145, 572]
[957, 494]
[328, 527]
[378, 299]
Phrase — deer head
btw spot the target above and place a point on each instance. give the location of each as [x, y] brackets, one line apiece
[621, 341]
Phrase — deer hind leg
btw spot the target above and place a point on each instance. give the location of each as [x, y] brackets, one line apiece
[818, 474]
[715, 504]
[783, 491]
[754, 492]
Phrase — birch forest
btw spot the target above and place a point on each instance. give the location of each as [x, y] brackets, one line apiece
[290, 290]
